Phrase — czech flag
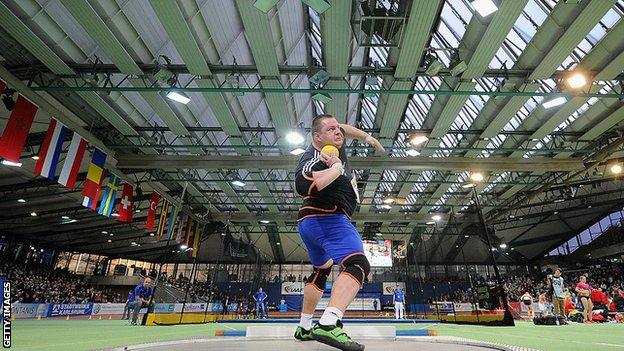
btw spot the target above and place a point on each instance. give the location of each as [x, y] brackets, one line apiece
[94, 175]
[72, 161]
[50, 150]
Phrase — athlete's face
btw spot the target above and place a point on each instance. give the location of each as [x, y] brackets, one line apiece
[557, 273]
[330, 133]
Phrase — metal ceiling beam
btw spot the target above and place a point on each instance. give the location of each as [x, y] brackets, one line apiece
[18, 30]
[373, 163]
[336, 38]
[115, 51]
[274, 88]
[368, 217]
[81, 69]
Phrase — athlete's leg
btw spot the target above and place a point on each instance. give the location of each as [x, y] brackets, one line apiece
[314, 287]
[396, 310]
[311, 231]
[343, 243]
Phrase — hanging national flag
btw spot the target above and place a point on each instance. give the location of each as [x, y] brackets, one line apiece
[17, 128]
[72, 161]
[171, 221]
[91, 203]
[125, 205]
[181, 225]
[110, 193]
[188, 230]
[162, 219]
[196, 239]
[151, 214]
[50, 150]
[94, 174]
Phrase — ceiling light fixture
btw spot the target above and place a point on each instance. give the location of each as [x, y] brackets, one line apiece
[458, 66]
[469, 185]
[616, 168]
[576, 80]
[477, 177]
[412, 152]
[560, 100]
[436, 217]
[11, 164]
[238, 183]
[21, 201]
[385, 207]
[417, 139]
[264, 221]
[503, 246]
[298, 151]
[34, 157]
[388, 200]
[178, 96]
[33, 214]
[295, 138]
[484, 7]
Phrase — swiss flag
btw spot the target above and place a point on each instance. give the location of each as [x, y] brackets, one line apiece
[125, 205]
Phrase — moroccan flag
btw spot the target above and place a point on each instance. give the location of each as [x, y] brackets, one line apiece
[196, 237]
[151, 214]
[110, 194]
[50, 150]
[17, 128]
[94, 174]
[162, 218]
[72, 161]
[125, 205]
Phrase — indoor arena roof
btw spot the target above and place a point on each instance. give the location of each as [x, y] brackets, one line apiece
[480, 87]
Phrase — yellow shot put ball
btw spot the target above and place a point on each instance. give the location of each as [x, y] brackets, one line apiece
[330, 150]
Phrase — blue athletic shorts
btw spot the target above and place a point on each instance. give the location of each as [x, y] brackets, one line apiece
[328, 237]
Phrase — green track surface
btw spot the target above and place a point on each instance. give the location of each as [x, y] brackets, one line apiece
[101, 334]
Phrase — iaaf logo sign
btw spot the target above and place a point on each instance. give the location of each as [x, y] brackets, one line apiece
[388, 287]
[295, 288]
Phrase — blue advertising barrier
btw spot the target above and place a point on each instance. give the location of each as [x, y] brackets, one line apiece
[72, 309]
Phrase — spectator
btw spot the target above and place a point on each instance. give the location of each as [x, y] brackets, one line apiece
[142, 294]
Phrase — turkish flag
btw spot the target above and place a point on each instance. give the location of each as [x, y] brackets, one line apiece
[125, 205]
[17, 128]
[151, 214]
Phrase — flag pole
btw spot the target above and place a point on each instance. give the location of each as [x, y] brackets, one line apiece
[162, 260]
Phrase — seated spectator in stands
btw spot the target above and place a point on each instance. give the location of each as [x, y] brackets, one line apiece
[142, 294]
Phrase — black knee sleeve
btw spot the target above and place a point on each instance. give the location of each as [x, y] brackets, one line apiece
[319, 277]
[356, 266]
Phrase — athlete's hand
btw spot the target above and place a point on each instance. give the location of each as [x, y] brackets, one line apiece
[330, 160]
[375, 143]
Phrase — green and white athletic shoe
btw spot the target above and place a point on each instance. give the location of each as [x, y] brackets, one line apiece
[303, 334]
[333, 335]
